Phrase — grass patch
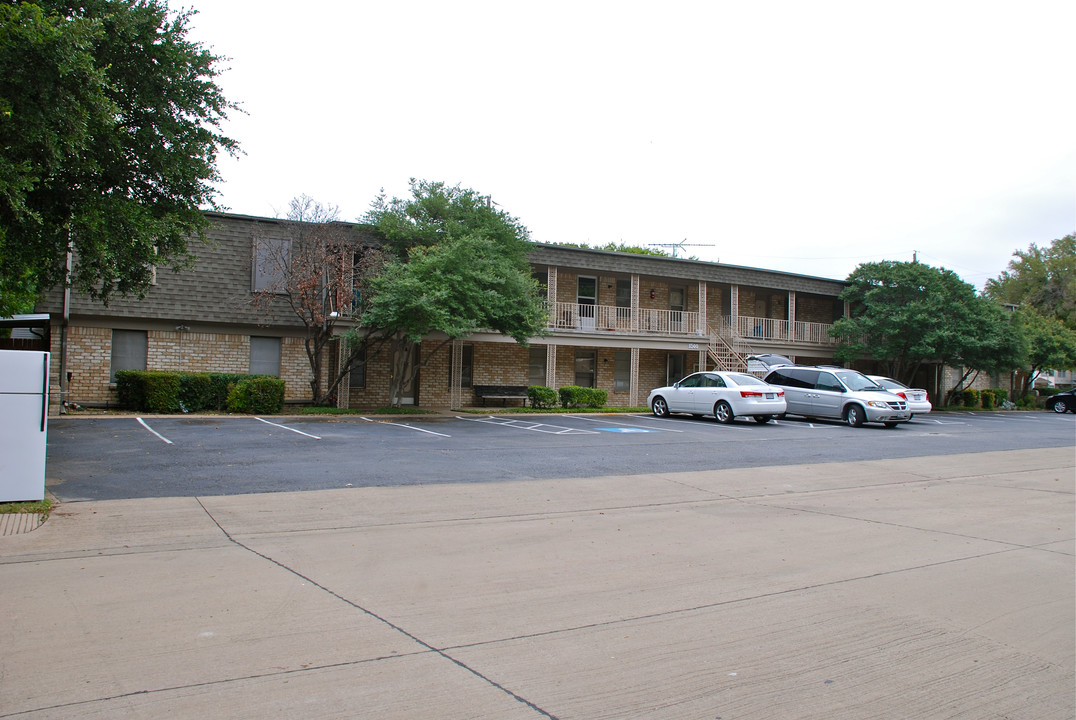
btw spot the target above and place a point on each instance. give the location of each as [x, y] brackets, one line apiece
[42, 507]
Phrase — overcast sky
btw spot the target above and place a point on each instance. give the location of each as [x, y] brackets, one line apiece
[799, 136]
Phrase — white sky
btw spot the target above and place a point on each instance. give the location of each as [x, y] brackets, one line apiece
[799, 136]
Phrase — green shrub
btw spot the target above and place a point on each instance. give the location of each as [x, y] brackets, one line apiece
[575, 396]
[148, 390]
[541, 396]
[1000, 395]
[970, 397]
[1027, 402]
[131, 389]
[987, 398]
[196, 392]
[257, 394]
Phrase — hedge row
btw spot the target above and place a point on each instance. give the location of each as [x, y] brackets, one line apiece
[158, 391]
[570, 396]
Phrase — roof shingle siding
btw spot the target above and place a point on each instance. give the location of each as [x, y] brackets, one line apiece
[215, 289]
[651, 265]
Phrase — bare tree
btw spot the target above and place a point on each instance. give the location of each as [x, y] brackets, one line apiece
[318, 268]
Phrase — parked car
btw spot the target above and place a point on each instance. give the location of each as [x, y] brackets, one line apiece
[838, 394]
[1062, 402]
[766, 362]
[725, 395]
[918, 399]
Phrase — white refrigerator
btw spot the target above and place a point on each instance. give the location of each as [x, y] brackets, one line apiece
[24, 409]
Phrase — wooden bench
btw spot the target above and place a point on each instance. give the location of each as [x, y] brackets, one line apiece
[504, 393]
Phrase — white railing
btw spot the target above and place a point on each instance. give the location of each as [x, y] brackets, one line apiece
[607, 318]
[755, 328]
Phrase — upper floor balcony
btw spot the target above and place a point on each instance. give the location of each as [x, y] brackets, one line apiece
[583, 317]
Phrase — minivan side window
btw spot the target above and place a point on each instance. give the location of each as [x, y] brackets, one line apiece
[826, 381]
[803, 378]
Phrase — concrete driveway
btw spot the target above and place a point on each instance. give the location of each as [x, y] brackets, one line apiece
[884, 589]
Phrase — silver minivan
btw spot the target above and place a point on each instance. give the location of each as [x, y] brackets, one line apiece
[838, 394]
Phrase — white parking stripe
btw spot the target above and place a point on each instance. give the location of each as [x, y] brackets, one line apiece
[162, 437]
[285, 427]
[412, 427]
[536, 427]
[610, 422]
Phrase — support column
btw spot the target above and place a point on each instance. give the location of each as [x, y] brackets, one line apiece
[456, 373]
[633, 390]
[792, 316]
[343, 390]
[635, 303]
[551, 366]
[734, 309]
[704, 323]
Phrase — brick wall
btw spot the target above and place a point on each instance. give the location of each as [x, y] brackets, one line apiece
[89, 359]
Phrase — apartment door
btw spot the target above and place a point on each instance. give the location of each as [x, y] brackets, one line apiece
[674, 369]
[586, 297]
[676, 309]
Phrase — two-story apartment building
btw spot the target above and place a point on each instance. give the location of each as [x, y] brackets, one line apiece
[618, 321]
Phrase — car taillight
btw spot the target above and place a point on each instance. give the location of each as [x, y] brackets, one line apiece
[780, 393]
[900, 394]
[750, 393]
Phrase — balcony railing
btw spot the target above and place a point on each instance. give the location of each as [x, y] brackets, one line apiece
[607, 318]
[754, 328]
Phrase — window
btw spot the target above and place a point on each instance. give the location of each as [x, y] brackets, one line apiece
[674, 369]
[269, 264]
[586, 362]
[467, 369]
[358, 370]
[264, 356]
[623, 292]
[537, 365]
[128, 351]
[622, 370]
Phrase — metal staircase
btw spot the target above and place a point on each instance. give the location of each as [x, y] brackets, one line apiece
[727, 350]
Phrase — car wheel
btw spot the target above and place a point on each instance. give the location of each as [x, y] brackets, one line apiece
[723, 412]
[1059, 407]
[660, 407]
[763, 419]
[854, 415]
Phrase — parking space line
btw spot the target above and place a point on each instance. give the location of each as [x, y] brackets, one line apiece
[285, 427]
[412, 427]
[162, 437]
[536, 427]
[611, 422]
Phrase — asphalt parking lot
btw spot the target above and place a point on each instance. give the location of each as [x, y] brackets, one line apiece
[100, 458]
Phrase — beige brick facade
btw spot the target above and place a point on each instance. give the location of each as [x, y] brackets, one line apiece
[89, 360]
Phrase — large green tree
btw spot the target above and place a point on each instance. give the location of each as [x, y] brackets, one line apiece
[1043, 278]
[458, 265]
[1049, 344]
[110, 128]
[908, 313]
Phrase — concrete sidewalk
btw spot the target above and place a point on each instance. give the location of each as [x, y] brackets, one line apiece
[930, 588]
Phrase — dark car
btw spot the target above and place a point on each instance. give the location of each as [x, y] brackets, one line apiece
[1062, 402]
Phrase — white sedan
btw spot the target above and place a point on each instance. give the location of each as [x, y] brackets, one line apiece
[725, 395]
[918, 400]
